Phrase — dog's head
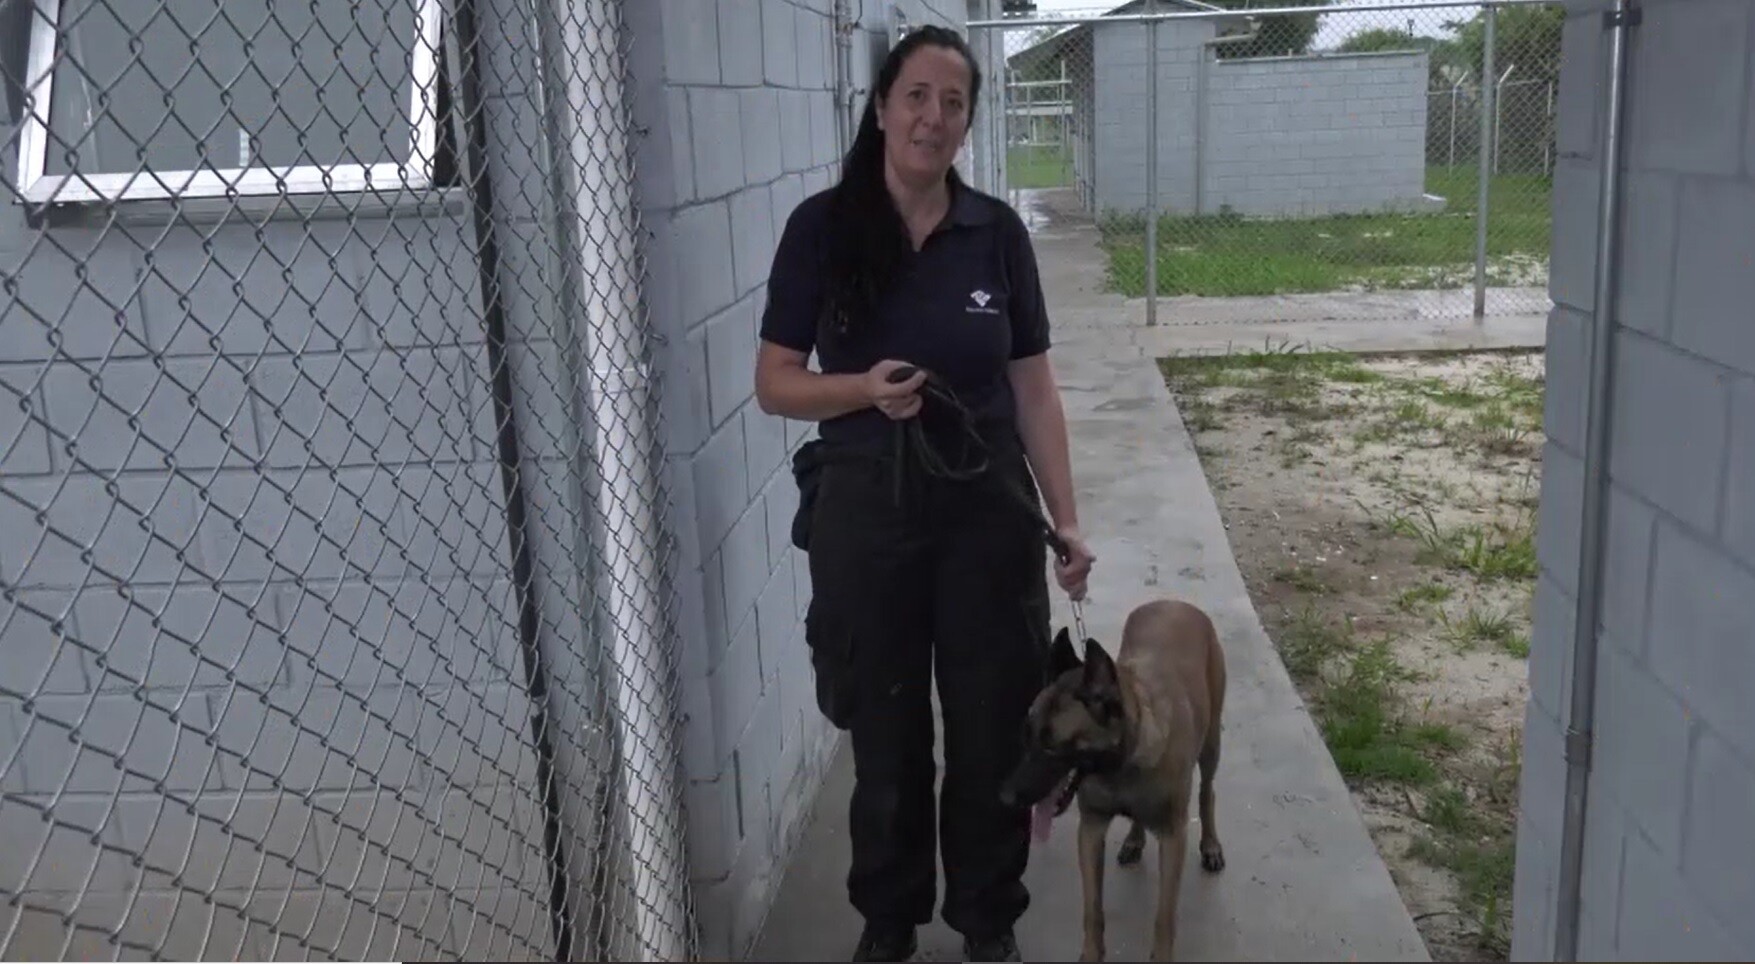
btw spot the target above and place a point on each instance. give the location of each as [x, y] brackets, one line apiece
[1075, 726]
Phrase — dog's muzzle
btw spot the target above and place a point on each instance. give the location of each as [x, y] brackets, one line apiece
[1067, 790]
[1041, 778]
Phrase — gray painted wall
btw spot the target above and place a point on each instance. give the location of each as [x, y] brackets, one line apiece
[1284, 136]
[1121, 54]
[719, 180]
[310, 700]
[1312, 136]
[1669, 868]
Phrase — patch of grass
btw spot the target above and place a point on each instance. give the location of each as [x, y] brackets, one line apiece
[1441, 392]
[1282, 381]
[1224, 255]
[1354, 694]
[1031, 166]
[1303, 579]
[1309, 642]
[1199, 414]
[1476, 844]
[1489, 552]
[1364, 731]
[1410, 417]
[1414, 598]
[1479, 626]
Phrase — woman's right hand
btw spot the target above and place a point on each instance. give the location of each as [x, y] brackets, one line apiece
[898, 400]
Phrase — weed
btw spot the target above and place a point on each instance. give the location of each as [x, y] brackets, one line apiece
[1199, 414]
[1484, 864]
[1425, 594]
[1492, 552]
[1364, 732]
[1309, 642]
[1303, 579]
[1478, 626]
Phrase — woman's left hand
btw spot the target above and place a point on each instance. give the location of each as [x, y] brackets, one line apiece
[1072, 573]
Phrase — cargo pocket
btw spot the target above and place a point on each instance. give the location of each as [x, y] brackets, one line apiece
[829, 637]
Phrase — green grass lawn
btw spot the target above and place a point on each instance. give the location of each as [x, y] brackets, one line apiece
[1220, 256]
[1038, 167]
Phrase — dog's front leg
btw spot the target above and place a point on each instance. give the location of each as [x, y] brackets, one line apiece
[1172, 848]
[1093, 829]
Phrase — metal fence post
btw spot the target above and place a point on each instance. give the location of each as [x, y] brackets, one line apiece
[640, 901]
[1483, 173]
[1151, 166]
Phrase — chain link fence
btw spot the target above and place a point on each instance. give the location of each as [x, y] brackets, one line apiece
[333, 574]
[1341, 160]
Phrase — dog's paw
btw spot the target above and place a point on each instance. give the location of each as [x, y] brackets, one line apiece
[1212, 857]
[1130, 851]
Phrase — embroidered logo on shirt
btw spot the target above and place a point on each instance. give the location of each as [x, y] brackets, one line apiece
[980, 299]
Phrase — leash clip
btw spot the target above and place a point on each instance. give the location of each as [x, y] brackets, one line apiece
[1078, 612]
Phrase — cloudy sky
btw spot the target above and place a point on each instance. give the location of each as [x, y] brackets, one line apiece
[1335, 26]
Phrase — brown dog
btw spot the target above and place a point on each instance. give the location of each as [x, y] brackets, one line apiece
[1125, 736]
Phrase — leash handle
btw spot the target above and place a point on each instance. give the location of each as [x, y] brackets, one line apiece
[1062, 550]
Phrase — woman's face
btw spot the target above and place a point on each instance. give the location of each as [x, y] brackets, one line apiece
[926, 114]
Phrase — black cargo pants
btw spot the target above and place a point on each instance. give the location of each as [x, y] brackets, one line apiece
[909, 578]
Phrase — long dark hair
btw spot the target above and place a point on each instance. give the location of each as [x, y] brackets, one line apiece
[869, 238]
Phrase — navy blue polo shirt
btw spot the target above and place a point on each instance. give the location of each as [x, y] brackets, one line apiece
[963, 306]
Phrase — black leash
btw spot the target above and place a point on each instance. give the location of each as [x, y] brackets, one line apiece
[911, 434]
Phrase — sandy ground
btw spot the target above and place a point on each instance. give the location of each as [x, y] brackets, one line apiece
[1382, 511]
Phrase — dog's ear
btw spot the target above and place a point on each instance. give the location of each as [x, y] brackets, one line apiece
[1062, 656]
[1100, 674]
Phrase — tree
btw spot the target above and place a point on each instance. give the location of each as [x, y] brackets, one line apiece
[1527, 38]
[1379, 39]
[1442, 54]
[1279, 35]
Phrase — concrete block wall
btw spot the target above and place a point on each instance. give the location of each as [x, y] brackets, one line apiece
[738, 101]
[1122, 64]
[1285, 136]
[1310, 136]
[258, 627]
[1669, 864]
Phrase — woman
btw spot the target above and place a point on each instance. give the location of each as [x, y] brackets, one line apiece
[902, 265]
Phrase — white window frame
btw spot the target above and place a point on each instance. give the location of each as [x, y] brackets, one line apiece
[149, 184]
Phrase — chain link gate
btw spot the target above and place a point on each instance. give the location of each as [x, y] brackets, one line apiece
[333, 569]
[1306, 160]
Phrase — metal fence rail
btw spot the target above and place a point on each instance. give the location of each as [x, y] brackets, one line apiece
[333, 572]
[1383, 160]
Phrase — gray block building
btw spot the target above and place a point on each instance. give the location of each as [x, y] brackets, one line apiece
[1295, 136]
[1668, 851]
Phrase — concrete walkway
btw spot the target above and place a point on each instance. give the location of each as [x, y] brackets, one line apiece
[1304, 880]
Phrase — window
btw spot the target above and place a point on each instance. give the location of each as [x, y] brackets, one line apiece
[172, 99]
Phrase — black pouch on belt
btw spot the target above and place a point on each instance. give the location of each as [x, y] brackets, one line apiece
[807, 470]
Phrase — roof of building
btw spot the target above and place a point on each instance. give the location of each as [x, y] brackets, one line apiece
[1050, 45]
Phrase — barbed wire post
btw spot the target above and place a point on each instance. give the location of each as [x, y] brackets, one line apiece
[1484, 173]
[1152, 206]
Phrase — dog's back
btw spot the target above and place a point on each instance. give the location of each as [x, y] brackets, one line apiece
[1171, 649]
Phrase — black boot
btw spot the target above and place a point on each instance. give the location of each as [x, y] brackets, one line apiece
[881, 942]
[1000, 947]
